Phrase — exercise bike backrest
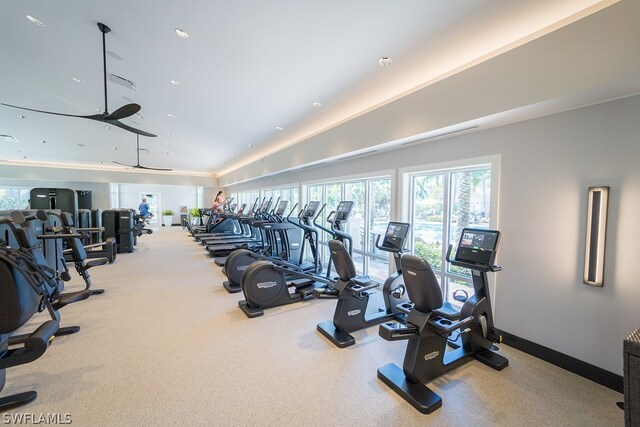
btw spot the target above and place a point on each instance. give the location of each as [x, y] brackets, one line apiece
[342, 261]
[421, 283]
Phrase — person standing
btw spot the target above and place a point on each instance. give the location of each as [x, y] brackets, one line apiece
[144, 208]
[217, 203]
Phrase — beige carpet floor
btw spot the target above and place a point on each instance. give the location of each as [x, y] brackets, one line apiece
[168, 346]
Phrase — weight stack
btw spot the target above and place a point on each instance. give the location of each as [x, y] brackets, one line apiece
[84, 221]
[96, 221]
[118, 223]
[632, 379]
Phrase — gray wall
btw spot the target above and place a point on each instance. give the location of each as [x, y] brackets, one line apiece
[547, 164]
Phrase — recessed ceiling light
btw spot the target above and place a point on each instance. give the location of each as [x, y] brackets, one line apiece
[44, 142]
[279, 128]
[115, 148]
[98, 110]
[167, 153]
[317, 104]
[174, 82]
[182, 33]
[108, 127]
[24, 157]
[77, 80]
[251, 145]
[171, 116]
[169, 134]
[385, 61]
[102, 163]
[22, 117]
[36, 21]
[82, 145]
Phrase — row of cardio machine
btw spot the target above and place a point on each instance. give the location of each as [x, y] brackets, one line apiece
[35, 247]
[273, 272]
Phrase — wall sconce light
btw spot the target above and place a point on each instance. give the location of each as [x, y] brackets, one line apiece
[597, 204]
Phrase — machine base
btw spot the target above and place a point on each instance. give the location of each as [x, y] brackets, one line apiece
[339, 338]
[11, 402]
[232, 289]
[250, 312]
[418, 395]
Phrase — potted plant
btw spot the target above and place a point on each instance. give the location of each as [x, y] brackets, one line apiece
[167, 217]
[195, 214]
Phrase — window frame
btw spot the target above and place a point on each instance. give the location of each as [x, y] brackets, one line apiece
[408, 176]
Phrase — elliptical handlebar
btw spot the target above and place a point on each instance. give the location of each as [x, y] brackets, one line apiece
[291, 212]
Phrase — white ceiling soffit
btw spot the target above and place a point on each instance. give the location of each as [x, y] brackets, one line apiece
[588, 61]
[248, 67]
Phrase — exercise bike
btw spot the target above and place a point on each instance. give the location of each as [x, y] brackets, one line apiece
[428, 329]
[353, 297]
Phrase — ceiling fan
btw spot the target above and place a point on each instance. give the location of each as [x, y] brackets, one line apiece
[105, 117]
[137, 165]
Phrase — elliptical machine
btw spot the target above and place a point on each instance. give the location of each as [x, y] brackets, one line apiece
[284, 241]
[428, 329]
[353, 296]
[269, 284]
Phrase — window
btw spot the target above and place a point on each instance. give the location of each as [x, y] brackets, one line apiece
[441, 204]
[14, 197]
[246, 197]
[290, 194]
[369, 217]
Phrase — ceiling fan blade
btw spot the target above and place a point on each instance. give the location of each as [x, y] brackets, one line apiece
[124, 164]
[124, 112]
[153, 169]
[92, 117]
[129, 128]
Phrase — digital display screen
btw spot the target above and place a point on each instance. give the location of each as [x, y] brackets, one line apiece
[395, 235]
[477, 246]
[343, 210]
[397, 229]
[281, 207]
[311, 209]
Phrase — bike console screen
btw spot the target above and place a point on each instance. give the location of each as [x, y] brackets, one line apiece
[395, 235]
[311, 209]
[343, 211]
[477, 246]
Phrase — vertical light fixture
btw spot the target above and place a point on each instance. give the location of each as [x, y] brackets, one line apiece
[598, 201]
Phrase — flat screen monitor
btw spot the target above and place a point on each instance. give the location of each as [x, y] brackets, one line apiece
[281, 207]
[242, 208]
[343, 211]
[265, 205]
[312, 208]
[395, 235]
[478, 246]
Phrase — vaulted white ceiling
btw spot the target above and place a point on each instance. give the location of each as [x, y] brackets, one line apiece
[249, 73]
